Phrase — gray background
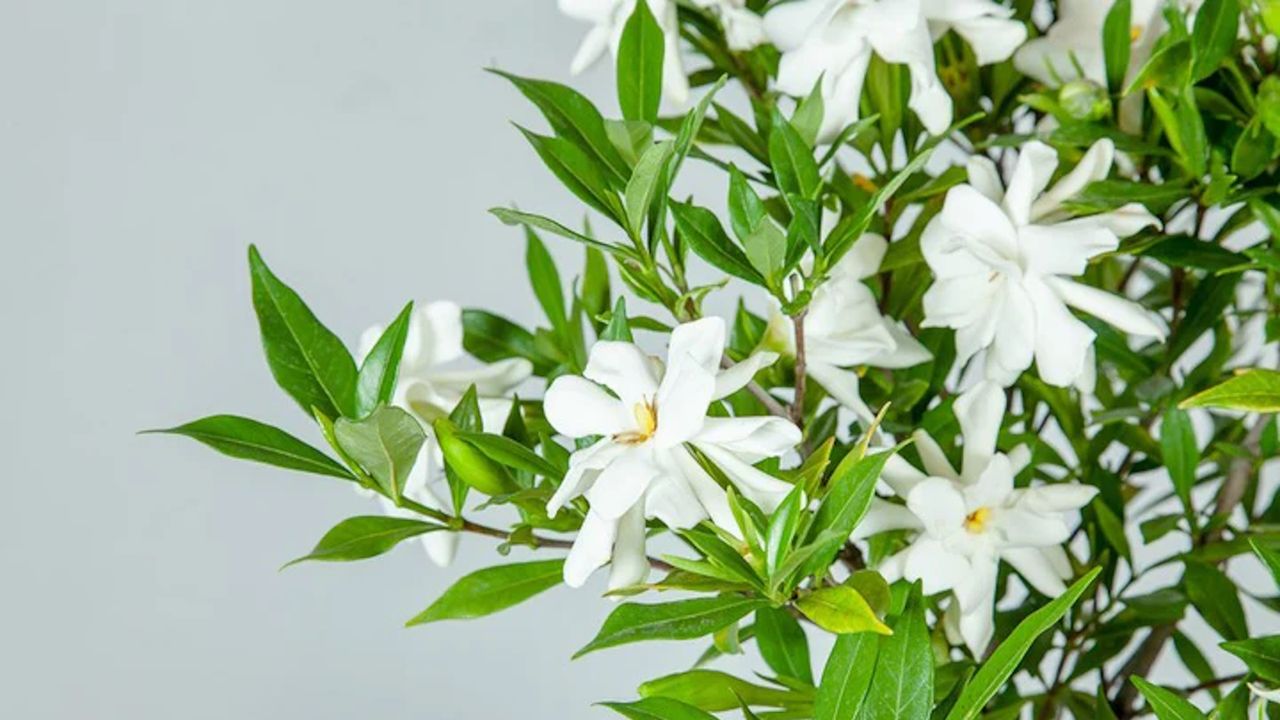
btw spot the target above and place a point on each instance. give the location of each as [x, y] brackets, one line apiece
[143, 145]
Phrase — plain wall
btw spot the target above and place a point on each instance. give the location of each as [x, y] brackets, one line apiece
[143, 145]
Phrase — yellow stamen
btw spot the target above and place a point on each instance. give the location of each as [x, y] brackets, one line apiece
[646, 415]
[976, 521]
[863, 182]
[1135, 32]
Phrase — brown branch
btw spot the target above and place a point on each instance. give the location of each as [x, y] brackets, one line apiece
[797, 405]
[539, 541]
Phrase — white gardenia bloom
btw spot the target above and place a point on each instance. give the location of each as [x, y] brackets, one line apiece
[427, 390]
[1074, 42]
[743, 29]
[844, 329]
[1262, 692]
[1002, 259]
[969, 521]
[608, 18]
[641, 466]
[834, 39]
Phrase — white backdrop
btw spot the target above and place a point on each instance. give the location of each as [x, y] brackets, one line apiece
[143, 145]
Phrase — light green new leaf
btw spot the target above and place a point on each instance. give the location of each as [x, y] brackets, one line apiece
[619, 327]
[1181, 456]
[1261, 655]
[385, 444]
[644, 183]
[658, 708]
[847, 677]
[246, 439]
[510, 453]
[1166, 704]
[366, 536]
[807, 119]
[487, 591]
[782, 529]
[841, 609]
[902, 688]
[783, 644]
[1256, 390]
[852, 485]
[688, 131]
[1214, 35]
[999, 667]
[378, 373]
[307, 360]
[639, 74]
[679, 620]
[510, 216]
[715, 691]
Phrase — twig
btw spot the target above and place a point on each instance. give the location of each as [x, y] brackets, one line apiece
[797, 405]
[539, 541]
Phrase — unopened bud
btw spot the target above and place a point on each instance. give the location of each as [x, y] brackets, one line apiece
[1084, 100]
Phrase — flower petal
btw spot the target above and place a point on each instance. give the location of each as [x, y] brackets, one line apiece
[979, 411]
[678, 461]
[984, 177]
[843, 386]
[1126, 315]
[621, 483]
[625, 369]
[1095, 165]
[993, 486]
[938, 504]
[584, 466]
[883, 516]
[682, 401]
[672, 500]
[591, 549]
[993, 39]
[1036, 163]
[977, 622]
[751, 438]
[935, 461]
[1035, 569]
[577, 407]
[1058, 497]
[1065, 248]
[629, 565]
[735, 378]
[863, 259]
[935, 566]
[700, 341]
[756, 485]
[900, 475]
[1062, 341]
[494, 379]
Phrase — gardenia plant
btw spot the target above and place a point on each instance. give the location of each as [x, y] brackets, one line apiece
[991, 410]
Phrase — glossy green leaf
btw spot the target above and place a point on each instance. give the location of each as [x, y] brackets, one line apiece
[510, 216]
[701, 230]
[1269, 557]
[781, 531]
[544, 277]
[847, 677]
[1002, 663]
[1116, 42]
[1215, 597]
[510, 453]
[715, 691]
[679, 620]
[639, 75]
[1214, 35]
[366, 536]
[246, 439]
[492, 338]
[783, 644]
[1181, 456]
[385, 444]
[792, 160]
[487, 591]
[658, 708]
[307, 360]
[1261, 655]
[578, 172]
[902, 688]
[841, 609]
[645, 182]
[1166, 704]
[376, 380]
[852, 486]
[746, 210]
[1255, 390]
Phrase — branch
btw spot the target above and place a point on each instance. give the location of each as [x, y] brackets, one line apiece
[797, 405]
[539, 541]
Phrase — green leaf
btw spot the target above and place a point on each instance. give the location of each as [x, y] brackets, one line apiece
[487, 591]
[508, 452]
[679, 620]
[572, 116]
[545, 280]
[1116, 42]
[240, 437]
[537, 222]
[714, 691]
[1269, 104]
[1270, 558]
[746, 210]
[1214, 36]
[902, 688]
[619, 328]
[999, 667]
[640, 66]
[1181, 456]
[792, 160]
[658, 708]
[767, 251]
[376, 380]
[807, 119]
[853, 483]
[1167, 68]
[1205, 308]
[841, 609]
[385, 444]
[491, 338]
[1166, 704]
[1214, 595]
[783, 644]
[307, 360]
[644, 183]
[1254, 390]
[691, 125]
[364, 537]
[782, 529]
[1183, 126]
[578, 172]
[1261, 655]
[847, 677]
[700, 229]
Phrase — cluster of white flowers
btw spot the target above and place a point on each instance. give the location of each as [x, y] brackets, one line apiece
[1003, 255]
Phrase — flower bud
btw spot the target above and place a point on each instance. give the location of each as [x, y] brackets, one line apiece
[1084, 100]
[469, 464]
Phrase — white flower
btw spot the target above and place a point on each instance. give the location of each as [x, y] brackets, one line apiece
[969, 521]
[743, 29]
[641, 466]
[1072, 46]
[834, 39]
[428, 391]
[1002, 258]
[843, 328]
[608, 18]
[1262, 692]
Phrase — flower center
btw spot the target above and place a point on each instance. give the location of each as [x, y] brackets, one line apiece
[646, 415]
[1135, 32]
[976, 521]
